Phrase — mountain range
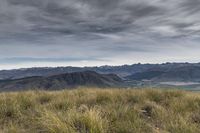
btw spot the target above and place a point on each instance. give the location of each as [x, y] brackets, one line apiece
[104, 76]
[166, 71]
[121, 71]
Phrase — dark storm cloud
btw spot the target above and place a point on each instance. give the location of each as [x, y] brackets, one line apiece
[74, 17]
[91, 16]
[95, 16]
[96, 28]
[192, 6]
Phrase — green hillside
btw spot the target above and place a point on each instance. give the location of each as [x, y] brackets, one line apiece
[100, 111]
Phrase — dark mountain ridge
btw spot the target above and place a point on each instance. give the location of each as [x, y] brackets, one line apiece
[67, 80]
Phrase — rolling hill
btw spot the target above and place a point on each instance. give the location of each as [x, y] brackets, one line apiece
[56, 82]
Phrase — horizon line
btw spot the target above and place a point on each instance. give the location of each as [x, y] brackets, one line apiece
[21, 68]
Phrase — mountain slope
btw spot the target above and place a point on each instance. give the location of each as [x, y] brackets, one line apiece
[191, 73]
[148, 75]
[185, 73]
[86, 78]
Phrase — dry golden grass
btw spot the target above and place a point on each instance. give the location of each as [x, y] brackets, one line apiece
[100, 111]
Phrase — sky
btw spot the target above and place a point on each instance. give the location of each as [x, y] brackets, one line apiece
[40, 33]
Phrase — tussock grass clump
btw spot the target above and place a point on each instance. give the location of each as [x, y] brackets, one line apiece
[100, 111]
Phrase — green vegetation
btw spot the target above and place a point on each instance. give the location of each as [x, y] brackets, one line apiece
[100, 111]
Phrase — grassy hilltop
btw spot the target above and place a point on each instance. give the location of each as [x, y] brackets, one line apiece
[100, 111]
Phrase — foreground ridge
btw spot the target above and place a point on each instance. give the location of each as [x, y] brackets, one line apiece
[100, 111]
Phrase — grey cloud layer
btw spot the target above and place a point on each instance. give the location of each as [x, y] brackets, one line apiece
[30, 59]
[75, 17]
[98, 30]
